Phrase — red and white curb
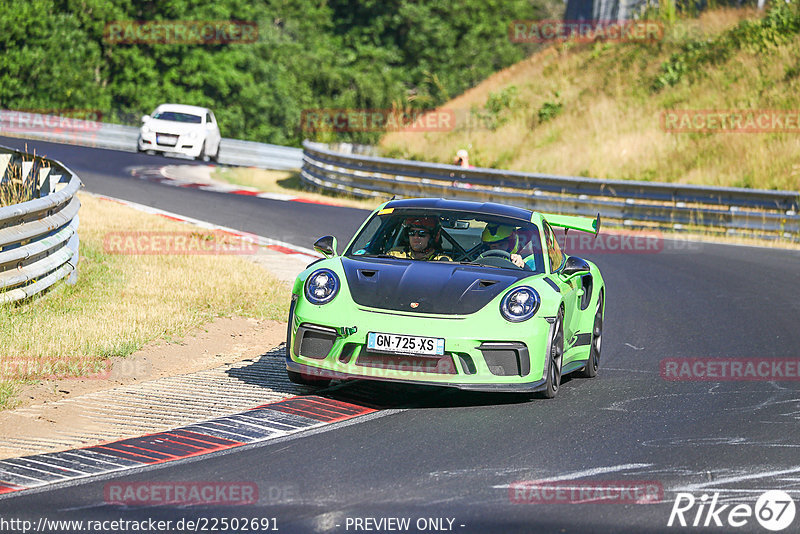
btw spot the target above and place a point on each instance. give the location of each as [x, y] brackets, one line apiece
[162, 175]
[283, 247]
[270, 421]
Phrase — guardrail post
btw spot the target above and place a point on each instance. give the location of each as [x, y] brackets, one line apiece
[74, 245]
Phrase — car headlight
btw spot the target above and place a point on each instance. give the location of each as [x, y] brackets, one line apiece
[194, 134]
[145, 130]
[520, 304]
[322, 286]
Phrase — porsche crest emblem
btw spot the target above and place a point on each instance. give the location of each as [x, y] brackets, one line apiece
[414, 304]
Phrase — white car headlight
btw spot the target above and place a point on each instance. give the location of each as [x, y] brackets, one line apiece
[322, 286]
[520, 304]
[193, 134]
[145, 129]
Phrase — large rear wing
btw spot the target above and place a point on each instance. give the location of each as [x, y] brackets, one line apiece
[572, 222]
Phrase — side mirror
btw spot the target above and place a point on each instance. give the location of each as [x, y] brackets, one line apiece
[326, 246]
[574, 266]
[145, 118]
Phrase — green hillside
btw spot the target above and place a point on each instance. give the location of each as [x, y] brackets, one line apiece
[598, 109]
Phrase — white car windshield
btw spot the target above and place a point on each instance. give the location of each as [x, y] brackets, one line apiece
[176, 116]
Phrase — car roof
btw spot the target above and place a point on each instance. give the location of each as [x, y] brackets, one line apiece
[182, 108]
[489, 208]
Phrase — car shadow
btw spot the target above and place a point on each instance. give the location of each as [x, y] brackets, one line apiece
[268, 371]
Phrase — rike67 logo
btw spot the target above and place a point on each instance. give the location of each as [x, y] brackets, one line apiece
[774, 510]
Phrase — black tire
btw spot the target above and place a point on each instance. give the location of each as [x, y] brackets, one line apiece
[203, 156]
[555, 358]
[593, 363]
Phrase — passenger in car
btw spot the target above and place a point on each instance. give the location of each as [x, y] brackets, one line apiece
[505, 238]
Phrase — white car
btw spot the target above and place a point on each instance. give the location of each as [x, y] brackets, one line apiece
[178, 129]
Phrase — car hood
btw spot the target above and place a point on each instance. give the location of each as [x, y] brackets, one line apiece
[172, 127]
[435, 287]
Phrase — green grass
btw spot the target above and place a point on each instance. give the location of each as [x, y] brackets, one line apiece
[122, 302]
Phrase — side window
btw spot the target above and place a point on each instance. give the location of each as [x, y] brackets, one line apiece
[208, 119]
[553, 248]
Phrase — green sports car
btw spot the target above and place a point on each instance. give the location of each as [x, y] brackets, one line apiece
[477, 296]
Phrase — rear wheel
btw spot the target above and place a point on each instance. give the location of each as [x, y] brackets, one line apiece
[593, 363]
[555, 357]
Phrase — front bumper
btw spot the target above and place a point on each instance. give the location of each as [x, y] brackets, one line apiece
[315, 372]
[483, 352]
[183, 145]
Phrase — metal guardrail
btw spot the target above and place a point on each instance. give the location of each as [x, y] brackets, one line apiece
[753, 212]
[38, 238]
[124, 138]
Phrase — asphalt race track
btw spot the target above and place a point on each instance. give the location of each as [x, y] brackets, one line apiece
[448, 460]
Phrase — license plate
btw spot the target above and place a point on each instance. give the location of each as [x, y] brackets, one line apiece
[168, 140]
[403, 344]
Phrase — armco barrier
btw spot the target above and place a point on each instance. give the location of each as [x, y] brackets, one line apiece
[736, 211]
[38, 238]
[117, 137]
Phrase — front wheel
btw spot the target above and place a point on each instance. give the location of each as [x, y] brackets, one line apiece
[555, 357]
[203, 156]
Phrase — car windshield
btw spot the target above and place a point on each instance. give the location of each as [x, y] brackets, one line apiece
[459, 236]
[176, 116]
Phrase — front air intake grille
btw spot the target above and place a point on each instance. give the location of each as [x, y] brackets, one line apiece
[314, 341]
[506, 359]
[442, 365]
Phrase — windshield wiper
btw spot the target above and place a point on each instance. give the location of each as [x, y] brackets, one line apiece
[479, 264]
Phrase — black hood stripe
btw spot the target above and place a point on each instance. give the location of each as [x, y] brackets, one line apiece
[426, 287]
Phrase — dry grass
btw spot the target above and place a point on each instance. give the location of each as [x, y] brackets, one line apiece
[288, 183]
[15, 189]
[123, 301]
[610, 124]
